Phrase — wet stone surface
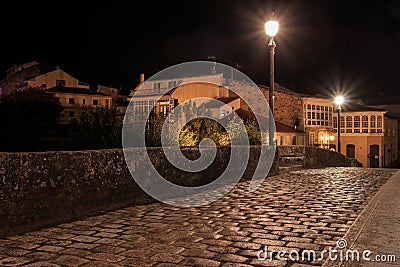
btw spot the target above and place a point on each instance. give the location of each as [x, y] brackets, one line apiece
[302, 210]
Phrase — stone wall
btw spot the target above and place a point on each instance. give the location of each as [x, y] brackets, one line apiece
[288, 105]
[43, 188]
[314, 157]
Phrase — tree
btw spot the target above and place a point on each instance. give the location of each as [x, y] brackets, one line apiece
[27, 118]
[96, 128]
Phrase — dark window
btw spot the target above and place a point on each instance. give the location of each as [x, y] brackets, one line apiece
[60, 83]
[95, 102]
[71, 114]
[71, 100]
[83, 101]
[157, 87]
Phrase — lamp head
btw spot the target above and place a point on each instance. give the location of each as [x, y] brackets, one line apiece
[271, 28]
[339, 100]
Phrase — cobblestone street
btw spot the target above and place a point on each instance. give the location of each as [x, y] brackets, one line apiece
[307, 209]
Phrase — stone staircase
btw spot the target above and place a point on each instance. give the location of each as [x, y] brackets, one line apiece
[291, 158]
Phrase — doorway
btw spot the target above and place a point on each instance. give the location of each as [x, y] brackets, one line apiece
[374, 156]
[351, 151]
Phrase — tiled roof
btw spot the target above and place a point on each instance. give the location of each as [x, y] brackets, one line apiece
[279, 126]
[216, 103]
[74, 90]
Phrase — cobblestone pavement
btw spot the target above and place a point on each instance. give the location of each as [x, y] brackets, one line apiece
[297, 211]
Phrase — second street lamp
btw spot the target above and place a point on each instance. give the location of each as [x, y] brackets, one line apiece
[339, 101]
[271, 28]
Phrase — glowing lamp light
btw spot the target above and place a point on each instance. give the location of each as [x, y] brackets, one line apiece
[339, 100]
[271, 28]
[331, 138]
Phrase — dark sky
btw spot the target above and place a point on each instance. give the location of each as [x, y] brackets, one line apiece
[322, 45]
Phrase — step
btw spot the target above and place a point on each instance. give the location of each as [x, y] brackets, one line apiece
[289, 161]
[284, 169]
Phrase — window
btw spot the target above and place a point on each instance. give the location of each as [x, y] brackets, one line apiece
[373, 124]
[107, 103]
[364, 124]
[60, 83]
[379, 125]
[95, 102]
[71, 114]
[349, 124]
[308, 106]
[71, 100]
[83, 101]
[157, 87]
[356, 124]
[335, 122]
[341, 124]
[311, 138]
[223, 113]
[171, 84]
[309, 115]
[43, 86]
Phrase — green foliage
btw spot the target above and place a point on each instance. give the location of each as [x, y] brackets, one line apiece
[199, 128]
[27, 118]
[254, 133]
[97, 128]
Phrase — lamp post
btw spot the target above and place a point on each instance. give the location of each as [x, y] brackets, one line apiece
[271, 28]
[339, 101]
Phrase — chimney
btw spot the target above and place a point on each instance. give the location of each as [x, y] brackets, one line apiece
[141, 78]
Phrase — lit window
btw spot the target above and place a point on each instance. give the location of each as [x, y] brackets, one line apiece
[341, 124]
[223, 113]
[349, 124]
[364, 124]
[356, 124]
[379, 124]
[373, 124]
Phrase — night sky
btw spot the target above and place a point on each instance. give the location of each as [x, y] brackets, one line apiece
[322, 46]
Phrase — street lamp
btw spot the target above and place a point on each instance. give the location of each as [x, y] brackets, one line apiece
[339, 101]
[271, 28]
